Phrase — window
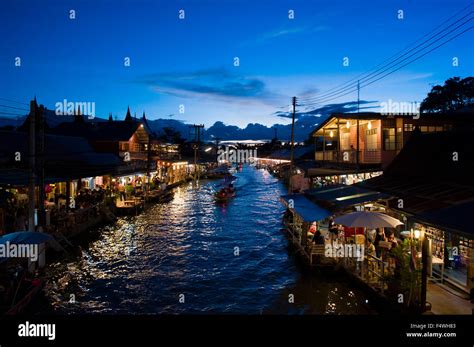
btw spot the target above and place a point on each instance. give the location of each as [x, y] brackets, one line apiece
[408, 127]
[424, 129]
[389, 139]
[345, 141]
[371, 139]
[440, 128]
[399, 138]
[123, 146]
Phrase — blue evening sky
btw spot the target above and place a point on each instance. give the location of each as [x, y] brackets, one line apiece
[190, 62]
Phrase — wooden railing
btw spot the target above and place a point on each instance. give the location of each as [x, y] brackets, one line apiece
[350, 156]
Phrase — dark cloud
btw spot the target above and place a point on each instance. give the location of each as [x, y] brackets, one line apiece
[212, 82]
[326, 110]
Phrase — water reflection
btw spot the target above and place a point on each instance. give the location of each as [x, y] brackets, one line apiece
[219, 259]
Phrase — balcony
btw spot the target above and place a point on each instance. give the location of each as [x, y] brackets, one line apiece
[349, 156]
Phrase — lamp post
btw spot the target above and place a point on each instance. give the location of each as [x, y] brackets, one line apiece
[424, 270]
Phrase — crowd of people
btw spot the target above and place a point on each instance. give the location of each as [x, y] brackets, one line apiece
[379, 242]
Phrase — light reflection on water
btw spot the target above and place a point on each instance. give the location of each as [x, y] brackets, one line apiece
[188, 246]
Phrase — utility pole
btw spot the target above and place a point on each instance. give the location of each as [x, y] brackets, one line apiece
[40, 166]
[31, 162]
[358, 110]
[290, 188]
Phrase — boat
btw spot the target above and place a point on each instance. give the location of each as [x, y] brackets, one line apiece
[129, 207]
[18, 287]
[218, 172]
[159, 196]
[31, 290]
[222, 196]
[228, 179]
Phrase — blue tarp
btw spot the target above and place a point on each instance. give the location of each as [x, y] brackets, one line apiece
[344, 195]
[25, 237]
[306, 209]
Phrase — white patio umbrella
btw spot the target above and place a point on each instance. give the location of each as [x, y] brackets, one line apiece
[366, 219]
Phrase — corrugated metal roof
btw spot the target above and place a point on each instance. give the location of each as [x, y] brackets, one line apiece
[340, 196]
[306, 209]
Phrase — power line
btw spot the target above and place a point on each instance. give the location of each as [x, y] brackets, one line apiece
[15, 108]
[13, 114]
[421, 56]
[392, 65]
[400, 67]
[393, 56]
[327, 94]
[16, 102]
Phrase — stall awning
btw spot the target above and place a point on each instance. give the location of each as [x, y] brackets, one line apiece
[454, 218]
[306, 209]
[344, 195]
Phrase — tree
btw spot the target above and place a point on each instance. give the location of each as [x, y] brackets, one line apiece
[455, 94]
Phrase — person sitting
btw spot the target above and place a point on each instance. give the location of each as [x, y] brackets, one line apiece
[318, 239]
[313, 228]
[379, 237]
[333, 229]
[370, 247]
[392, 240]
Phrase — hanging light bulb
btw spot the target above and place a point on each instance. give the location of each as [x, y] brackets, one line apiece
[348, 124]
[369, 126]
[331, 134]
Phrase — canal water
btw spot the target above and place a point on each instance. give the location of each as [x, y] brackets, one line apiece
[193, 256]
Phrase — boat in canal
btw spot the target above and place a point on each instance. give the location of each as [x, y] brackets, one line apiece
[28, 291]
[218, 172]
[159, 196]
[129, 207]
[138, 264]
[20, 287]
[224, 195]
